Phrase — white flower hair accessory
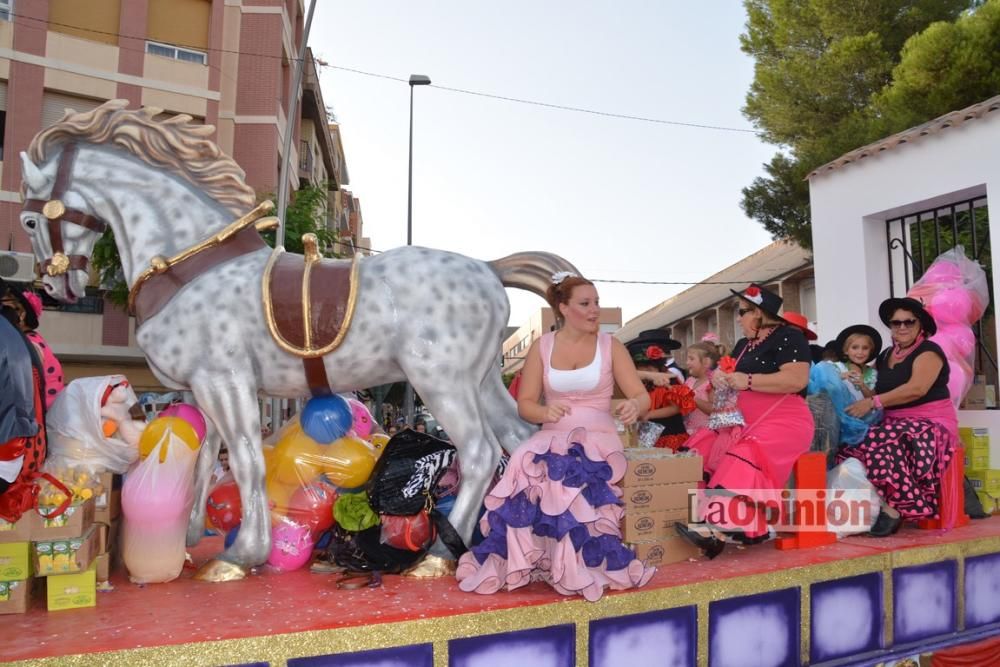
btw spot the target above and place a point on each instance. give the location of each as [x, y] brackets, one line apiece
[557, 278]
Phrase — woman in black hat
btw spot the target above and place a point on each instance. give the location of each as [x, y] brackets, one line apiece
[667, 405]
[755, 460]
[907, 454]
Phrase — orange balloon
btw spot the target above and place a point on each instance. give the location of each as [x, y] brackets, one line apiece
[279, 497]
[348, 462]
[159, 428]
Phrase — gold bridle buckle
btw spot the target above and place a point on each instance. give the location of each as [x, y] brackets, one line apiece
[54, 209]
[58, 265]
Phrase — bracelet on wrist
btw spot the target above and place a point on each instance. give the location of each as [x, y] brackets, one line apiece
[877, 402]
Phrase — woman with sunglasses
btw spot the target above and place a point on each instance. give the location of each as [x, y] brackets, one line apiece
[907, 454]
[748, 465]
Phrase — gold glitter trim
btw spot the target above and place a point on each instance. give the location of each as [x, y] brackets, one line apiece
[805, 625]
[887, 628]
[438, 631]
[582, 643]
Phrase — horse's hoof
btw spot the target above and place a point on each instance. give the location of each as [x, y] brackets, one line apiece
[431, 566]
[217, 570]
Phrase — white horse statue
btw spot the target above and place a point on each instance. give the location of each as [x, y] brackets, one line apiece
[166, 190]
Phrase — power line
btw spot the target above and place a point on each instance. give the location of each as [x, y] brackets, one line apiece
[464, 91]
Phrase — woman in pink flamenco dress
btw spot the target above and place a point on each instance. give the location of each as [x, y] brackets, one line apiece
[555, 515]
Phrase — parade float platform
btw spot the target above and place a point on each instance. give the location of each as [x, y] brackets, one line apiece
[858, 601]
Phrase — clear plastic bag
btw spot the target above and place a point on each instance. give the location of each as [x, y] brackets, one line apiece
[76, 427]
[848, 485]
[156, 500]
[955, 291]
[649, 433]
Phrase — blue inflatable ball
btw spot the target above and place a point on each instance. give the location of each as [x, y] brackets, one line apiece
[445, 505]
[231, 536]
[326, 419]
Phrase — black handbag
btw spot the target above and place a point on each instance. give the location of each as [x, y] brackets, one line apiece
[407, 472]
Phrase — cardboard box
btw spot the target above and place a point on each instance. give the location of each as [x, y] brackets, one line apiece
[66, 556]
[108, 505]
[74, 522]
[660, 466]
[15, 596]
[973, 438]
[980, 397]
[72, 591]
[977, 459]
[985, 480]
[656, 498]
[989, 503]
[16, 532]
[672, 549]
[15, 561]
[102, 565]
[107, 536]
[646, 526]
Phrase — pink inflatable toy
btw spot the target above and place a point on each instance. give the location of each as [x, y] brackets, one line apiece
[188, 413]
[291, 546]
[363, 421]
[952, 306]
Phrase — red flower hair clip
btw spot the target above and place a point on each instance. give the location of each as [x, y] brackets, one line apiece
[654, 353]
[727, 364]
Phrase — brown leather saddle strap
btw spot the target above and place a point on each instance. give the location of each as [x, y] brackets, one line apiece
[159, 288]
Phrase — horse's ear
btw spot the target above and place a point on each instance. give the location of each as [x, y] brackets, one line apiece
[33, 176]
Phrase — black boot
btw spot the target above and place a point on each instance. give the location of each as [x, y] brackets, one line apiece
[709, 544]
[886, 525]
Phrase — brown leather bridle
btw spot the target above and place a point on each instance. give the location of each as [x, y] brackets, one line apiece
[55, 213]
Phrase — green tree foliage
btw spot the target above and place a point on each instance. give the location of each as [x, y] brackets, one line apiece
[306, 213]
[822, 70]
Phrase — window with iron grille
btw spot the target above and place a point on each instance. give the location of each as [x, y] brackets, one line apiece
[914, 241]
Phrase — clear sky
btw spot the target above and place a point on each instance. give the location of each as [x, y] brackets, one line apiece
[621, 199]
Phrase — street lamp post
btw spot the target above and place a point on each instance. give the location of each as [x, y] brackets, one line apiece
[415, 80]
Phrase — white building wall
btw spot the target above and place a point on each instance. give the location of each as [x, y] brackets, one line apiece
[851, 204]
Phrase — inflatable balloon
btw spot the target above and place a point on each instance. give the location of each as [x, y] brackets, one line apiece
[952, 306]
[957, 341]
[326, 418]
[296, 458]
[223, 507]
[959, 382]
[231, 536]
[378, 442]
[942, 273]
[291, 546]
[407, 532]
[279, 497]
[161, 427]
[312, 506]
[188, 413]
[348, 462]
[361, 419]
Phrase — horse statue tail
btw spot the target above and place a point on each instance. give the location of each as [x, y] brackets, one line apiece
[530, 271]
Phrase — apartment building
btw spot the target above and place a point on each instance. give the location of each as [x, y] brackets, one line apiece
[515, 345]
[782, 267]
[228, 63]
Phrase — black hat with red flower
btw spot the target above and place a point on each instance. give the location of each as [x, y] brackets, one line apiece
[652, 347]
[762, 298]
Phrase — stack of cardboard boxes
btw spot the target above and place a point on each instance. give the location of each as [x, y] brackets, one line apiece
[656, 486]
[984, 479]
[72, 552]
[107, 519]
[981, 396]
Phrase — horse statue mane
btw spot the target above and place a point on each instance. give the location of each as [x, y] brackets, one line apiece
[169, 194]
[173, 144]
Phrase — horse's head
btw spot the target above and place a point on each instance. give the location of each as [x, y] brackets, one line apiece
[59, 223]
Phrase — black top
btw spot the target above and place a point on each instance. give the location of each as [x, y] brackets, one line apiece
[891, 378]
[785, 345]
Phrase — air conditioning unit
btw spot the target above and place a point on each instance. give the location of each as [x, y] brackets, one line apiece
[17, 267]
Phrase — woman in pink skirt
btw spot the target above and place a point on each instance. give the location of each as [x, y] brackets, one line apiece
[555, 515]
[755, 459]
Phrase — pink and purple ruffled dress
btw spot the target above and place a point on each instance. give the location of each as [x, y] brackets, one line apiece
[555, 515]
